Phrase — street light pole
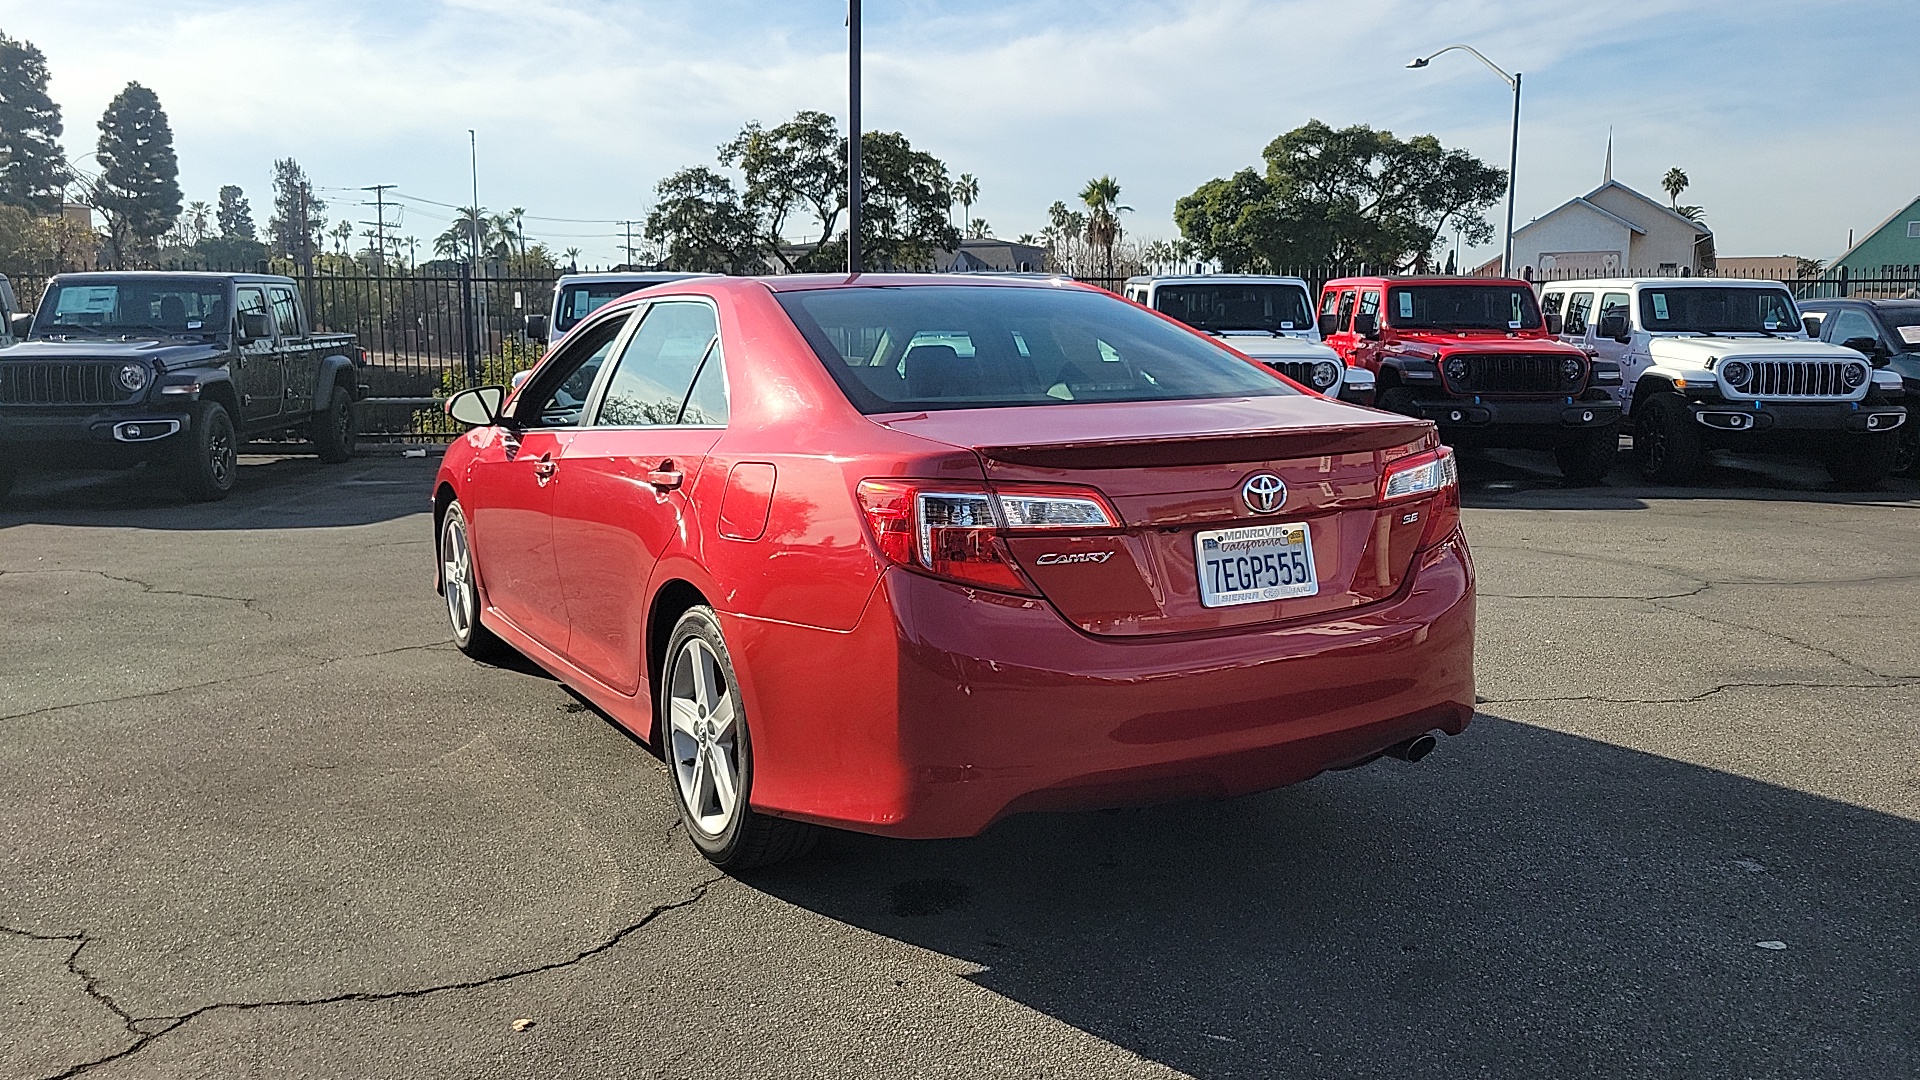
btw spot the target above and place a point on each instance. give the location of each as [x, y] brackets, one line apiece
[854, 193]
[1513, 159]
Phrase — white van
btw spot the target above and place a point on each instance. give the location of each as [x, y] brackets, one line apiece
[1266, 317]
[575, 296]
[1717, 362]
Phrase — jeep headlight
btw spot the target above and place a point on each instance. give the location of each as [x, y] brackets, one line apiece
[1570, 369]
[1456, 369]
[1736, 373]
[1855, 374]
[1325, 374]
[134, 377]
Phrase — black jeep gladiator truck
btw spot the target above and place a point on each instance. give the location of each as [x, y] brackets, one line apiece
[173, 368]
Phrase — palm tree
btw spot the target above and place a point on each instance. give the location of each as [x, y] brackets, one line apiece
[1102, 198]
[1675, 182]
[573, 257]
[516, 215]
[342, 235]
[967, 190]
[197, 212]
[978, 229]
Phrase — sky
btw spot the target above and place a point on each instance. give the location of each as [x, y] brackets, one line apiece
[1793, 120]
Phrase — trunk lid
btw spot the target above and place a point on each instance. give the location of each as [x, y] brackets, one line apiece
[1175, 469]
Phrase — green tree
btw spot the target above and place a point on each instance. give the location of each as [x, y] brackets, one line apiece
[798, 166]
[906, 203]
[234, 216]
[297, 224]
[33, 170]
[978, 229]
[967, 191]
[139, 187]
[1341, 196]
[1675, 182]
[1102, 199]
[700, 222]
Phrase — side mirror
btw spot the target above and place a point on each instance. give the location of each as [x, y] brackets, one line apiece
[1328, 324]
[478, 407]
[20, 323]
[537, 327]
[1867, 346]
[1614, 326]
[254, 324]
[1811, 325]
[1367, 326]
[1553, 323]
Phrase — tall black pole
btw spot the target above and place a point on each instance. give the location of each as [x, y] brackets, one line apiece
[1513, 166]
[854, 193]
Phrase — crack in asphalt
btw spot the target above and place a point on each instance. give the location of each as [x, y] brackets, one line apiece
[136, 1025]
[317, 663]
[1890, 683]
[1778, 636]
[89, 982]
[247, 602]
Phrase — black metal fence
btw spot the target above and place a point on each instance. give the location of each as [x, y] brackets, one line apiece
[430, 334]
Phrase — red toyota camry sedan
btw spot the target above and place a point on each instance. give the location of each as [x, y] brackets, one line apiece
[907, 554]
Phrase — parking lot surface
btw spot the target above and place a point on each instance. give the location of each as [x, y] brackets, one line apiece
[261, 819]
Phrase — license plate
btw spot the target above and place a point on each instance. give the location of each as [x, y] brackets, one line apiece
[1255, 564]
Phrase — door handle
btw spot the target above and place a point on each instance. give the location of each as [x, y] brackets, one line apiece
[543, 469]
[666, 477]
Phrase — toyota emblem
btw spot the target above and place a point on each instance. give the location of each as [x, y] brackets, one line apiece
[1264, 493]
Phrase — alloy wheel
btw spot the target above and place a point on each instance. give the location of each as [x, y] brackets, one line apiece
[456, 570]
[704, 738]
[220, 456]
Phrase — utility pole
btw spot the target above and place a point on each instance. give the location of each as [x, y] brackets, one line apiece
[473, 150]
[628, 225]
[854, 193]
[379, 224]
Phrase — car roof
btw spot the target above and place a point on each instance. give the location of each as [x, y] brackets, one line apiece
[614, 277]
[1423, 279]
[1897, 304]
[1209, 279]
[801, 282]
[278, 279]
[1630, 282]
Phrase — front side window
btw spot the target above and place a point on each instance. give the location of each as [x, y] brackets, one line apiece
[1717, 309]
[286, 311]
[651, 383]
[170, 305]
[1463, 307]
[1236, 307]
[557, 396]
[1616, 303]
[1579, 309]
[1852, 326]
[1343, 321]
[1329, 301]
[893, 349]
[251, 301]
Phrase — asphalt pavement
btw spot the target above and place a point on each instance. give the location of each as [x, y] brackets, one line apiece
[261, 819]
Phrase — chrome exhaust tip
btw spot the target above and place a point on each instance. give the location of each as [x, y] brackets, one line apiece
[1413, 749]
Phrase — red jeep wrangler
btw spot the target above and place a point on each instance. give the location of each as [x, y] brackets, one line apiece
[1474, 356]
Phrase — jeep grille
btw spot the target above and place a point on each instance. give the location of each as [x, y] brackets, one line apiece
[1513, 373]
[1797, 378]
[1300, 371]
[62, 384]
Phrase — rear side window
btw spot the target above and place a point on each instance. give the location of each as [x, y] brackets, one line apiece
[1345, 318]
[1550, 303]
[656, 370]
[286, 311]
[968, 347]
[1370, 302]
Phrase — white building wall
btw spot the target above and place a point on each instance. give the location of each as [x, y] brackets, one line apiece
[1571, 238]
[1667, 241]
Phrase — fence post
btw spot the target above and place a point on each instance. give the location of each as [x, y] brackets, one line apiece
[467, 328]
[1843, 280]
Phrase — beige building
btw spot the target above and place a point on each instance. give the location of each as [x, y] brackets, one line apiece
[1610, 231]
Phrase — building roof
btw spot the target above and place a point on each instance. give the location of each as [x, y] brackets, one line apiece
[1696, 226]
[1877, 230]
[1580, 201]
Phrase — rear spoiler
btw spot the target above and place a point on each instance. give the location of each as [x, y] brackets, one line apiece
[1217, 449]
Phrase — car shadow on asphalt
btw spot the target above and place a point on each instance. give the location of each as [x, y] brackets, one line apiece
[1526, 480]
[1524, 903]
[271, 492]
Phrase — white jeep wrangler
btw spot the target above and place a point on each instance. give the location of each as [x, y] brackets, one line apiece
[1716, 362]
[1268, 318]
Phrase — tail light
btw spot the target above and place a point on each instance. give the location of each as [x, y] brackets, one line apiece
[956, 531]
[1430, 475]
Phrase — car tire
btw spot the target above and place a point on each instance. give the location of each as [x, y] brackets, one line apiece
[708, 747]
[1586, 458]
[1907, 454]
[207, 460]
[1397, 399]
[334, 428]
[1861, 462]
[1667, 445]
[460, 586]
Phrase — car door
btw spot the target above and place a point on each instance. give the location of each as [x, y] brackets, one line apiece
[1342, 337]
[261, 375]
[1366, 351]
[510, 489]
[630, 482]
[299, 367]
[1606, 348]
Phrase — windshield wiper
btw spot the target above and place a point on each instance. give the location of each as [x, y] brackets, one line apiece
[70, 327]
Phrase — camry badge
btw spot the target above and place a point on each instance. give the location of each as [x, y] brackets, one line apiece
[1264, 493]
[1055, 558]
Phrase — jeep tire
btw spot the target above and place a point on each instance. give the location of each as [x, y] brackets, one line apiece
[1667, 443]
[1586, 457]
[1907, 436]
[206, 460]
[1397, 399]
[1860, 462]
[334, 429]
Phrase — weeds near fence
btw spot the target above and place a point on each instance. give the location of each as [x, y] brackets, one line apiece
[496, 369]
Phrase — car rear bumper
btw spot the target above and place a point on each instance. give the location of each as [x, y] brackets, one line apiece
[948, 708]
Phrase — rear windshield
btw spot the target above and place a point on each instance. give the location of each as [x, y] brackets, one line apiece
[1462, 307]
[894, 349]
[1236, 307]
[1718, 309]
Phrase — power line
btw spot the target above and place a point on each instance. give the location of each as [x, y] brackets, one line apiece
[379, 223]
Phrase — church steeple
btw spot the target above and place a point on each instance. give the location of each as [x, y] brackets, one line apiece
[1609, 177]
